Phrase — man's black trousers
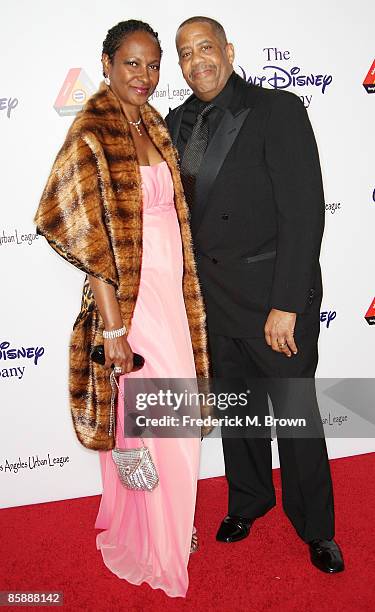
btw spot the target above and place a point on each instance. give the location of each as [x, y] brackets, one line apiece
[305, 473]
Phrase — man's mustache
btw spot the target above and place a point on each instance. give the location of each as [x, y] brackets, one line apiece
[201, 68]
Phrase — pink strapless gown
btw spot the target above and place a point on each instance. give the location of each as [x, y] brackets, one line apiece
[147, 535]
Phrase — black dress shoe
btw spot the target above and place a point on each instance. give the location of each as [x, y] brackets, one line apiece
[233, 529]
[326, 556]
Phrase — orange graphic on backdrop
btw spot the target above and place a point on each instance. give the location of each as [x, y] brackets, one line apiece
[369, 82]
[77, 88]
[370, 314]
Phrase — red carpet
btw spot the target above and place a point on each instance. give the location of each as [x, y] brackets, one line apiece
[52, 547]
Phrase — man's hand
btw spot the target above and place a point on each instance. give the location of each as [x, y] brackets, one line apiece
[279, 330]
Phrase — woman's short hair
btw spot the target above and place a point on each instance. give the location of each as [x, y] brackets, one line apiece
[117, 34]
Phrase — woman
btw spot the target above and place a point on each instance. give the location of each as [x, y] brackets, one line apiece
[114, 207]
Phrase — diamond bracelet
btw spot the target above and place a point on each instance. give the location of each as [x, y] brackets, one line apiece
[114, 333]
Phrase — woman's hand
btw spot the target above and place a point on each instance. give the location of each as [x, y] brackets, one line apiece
[118, 352]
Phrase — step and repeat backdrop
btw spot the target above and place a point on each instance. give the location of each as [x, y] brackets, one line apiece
[50, 64]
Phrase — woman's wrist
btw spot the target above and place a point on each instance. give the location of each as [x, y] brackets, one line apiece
[112, 322]
[114, 333]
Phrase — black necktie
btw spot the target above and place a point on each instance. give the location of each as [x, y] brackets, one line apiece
[193, 154]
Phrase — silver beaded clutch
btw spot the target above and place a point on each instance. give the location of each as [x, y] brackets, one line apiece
[135, 466]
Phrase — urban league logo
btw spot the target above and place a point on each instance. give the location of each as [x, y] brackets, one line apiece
[32, 462]
[369, 82]
[8, 354]
[18, 237]
[282, 77]
[76, 89]
[370, 314]
[171, 93]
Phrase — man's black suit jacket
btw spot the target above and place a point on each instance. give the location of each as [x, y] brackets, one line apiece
[258, 217]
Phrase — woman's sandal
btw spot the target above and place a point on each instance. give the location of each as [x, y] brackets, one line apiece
[194, 541]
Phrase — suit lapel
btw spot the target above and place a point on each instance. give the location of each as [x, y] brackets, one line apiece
[243, 101]
[217, 150]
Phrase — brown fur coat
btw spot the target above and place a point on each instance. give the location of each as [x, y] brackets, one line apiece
[91, 214]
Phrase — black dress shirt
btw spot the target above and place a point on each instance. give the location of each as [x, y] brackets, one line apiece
[195, 106]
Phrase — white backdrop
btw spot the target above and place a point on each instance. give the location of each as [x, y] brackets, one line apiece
[41, 42]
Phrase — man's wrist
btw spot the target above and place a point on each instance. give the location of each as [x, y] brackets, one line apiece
[283, 311]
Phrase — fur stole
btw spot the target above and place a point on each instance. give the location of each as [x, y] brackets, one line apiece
[91, 214]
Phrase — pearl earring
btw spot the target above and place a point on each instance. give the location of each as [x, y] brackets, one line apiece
[107, 80]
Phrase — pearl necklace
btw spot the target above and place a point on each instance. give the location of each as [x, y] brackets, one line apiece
[136, 125]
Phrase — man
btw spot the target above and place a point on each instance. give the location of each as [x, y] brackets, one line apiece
[251, 175]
